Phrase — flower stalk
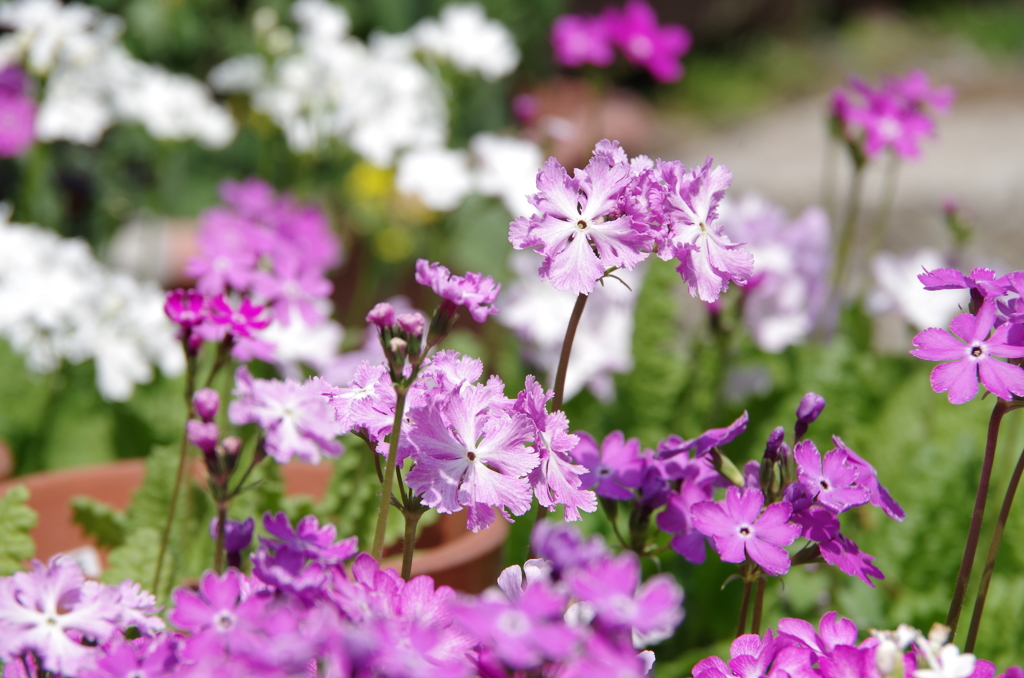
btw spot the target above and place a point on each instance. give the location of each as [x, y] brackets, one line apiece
[563, 359]
[993, 552]
[970, 549]
[377, 551]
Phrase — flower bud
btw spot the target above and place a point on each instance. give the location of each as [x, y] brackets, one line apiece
[202, 434]
[381, 315]
[807, 411]
[231, 445]
[207, 402]
[237, 535]
[398, 345]
[771, 450]
[411, 323]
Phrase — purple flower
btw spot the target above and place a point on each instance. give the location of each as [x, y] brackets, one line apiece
[564, 547]
[832, 482]
[523, 633]
[845, 555]
[475, 291]
[832, 631]
[411, 323]
[17, 113]
[470, 453]
[308, 538]
[237, 534]
[556, 480]
[612, 588]
[686, 204]
[578, 40]
[292, 288]
[677, 520]
[659, 49]
[982, 281]
[615, 470]
[580, 228]
[299, 420]
[868, 478]
[49, 611]
[149, 657]
[972, 355]
[739, 529]
[810, 408]
[702, 444]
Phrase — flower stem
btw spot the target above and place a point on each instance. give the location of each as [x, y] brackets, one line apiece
[755, 626]
[412, 518]
[389, 476]
[849, 228]
[218, 553]
[563, 359]
[892, 173]
[963, 578]
[743, 607]
[190, 387]
[993, 551]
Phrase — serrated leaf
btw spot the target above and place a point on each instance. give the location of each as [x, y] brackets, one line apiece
[16, 520]
[100, 520]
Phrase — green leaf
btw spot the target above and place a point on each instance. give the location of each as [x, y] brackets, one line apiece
[16, 520]
[136, 560]
[100, 520]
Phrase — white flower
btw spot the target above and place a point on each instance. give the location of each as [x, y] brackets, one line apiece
[93, 82]
[439, 177]
[506, 168]
[472, 43]
[242, 73]
[58, 303]
[789, 288]
[298, 342]
[603, 346]
[899, 289]
[947, 663]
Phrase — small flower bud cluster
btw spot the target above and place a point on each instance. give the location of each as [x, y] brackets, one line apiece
[401, 337]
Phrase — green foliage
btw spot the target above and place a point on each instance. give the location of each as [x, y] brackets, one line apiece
[136, 560]
[100, 520]
[16, 520]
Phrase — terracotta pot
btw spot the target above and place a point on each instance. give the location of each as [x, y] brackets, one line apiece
[448, 552]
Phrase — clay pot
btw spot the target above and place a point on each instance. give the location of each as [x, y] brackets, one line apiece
[448, 552]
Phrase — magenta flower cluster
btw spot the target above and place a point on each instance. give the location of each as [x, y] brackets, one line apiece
[268, 246]
[582, 39]
[616, 211]
[832, 650]
[971, 348]
[895, 116]
[314, 607]
[17, 113]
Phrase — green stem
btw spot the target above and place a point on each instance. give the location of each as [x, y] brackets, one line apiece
[892, 173]
[190, 386]
[389, 475]
[218, 553]
[849, 228]
[758, 606]
[412, 518]
[563, 359]
[743, 608]
[963, 578]
[828, 176]
[993, 551]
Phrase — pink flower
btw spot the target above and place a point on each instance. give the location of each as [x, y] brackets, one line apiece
[686, 204]
[973, 354]
[475, 291]
[17, 113]
[659, 49]
[739, 529]
[470, 453]
[298, 419]
[832, 482]
[578, 40]
[581, 229]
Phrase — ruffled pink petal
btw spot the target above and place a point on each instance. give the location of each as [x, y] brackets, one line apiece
[959, 378]
[1003, 379]
[936, 344]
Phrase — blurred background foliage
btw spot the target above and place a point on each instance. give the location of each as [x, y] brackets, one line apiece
[748, 55]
